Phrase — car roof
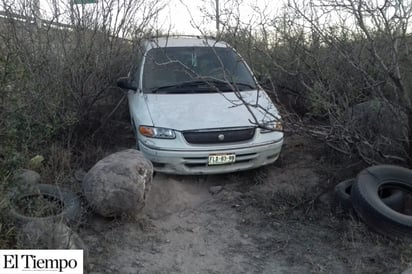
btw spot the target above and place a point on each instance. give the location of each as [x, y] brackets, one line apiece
[182, 41]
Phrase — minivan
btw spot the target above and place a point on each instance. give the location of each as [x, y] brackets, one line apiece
[196, 108]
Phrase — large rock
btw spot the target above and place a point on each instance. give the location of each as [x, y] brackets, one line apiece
[118, 183]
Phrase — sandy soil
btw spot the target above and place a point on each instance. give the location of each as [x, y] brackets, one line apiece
[271, 220]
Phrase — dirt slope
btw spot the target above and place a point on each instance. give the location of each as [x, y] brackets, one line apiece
[271, 220]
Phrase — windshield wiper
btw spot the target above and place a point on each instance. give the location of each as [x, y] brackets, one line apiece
[177, 86]
[187, 87]
[229, 83]
[201, 85]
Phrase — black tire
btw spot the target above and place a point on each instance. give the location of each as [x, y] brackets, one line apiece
[370, 207]
[135, 135]
[393, 198]
[70, 204]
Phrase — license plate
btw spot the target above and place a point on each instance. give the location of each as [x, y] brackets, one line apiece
[221, 159]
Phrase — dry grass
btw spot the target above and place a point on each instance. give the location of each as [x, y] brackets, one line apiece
[7, 228]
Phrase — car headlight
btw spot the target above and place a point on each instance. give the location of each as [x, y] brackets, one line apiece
[271, 126]
[157, 132]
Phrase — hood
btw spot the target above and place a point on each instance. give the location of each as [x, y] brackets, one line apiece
[208, 110]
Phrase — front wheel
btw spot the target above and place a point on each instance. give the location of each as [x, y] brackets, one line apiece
[137, 144]
[135, 135]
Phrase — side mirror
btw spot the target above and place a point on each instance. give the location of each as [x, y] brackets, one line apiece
[124, 83]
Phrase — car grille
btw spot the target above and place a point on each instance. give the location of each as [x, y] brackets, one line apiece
[217, 136]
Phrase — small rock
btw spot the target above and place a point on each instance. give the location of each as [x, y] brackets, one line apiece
[36, 162]
[26, 177]
[215, 189]
[25, 180]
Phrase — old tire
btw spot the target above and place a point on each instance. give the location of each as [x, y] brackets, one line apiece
[370, 207]
[69, 202]
[393, 198]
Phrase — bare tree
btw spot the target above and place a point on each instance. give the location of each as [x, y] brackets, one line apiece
[58, 77]
[326, 57]
[370, 38]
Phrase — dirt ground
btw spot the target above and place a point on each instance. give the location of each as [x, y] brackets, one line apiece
[277, 219]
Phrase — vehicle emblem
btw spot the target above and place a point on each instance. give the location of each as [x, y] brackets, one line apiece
[221, 137]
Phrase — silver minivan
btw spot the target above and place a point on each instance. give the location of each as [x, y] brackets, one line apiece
[196, 108]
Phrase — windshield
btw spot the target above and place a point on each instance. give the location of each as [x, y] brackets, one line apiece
[195, 69]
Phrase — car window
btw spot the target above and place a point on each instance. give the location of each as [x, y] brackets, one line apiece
[174, 65]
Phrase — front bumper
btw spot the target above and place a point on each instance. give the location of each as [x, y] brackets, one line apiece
[196, 161]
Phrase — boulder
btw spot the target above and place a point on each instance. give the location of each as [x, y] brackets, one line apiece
[119, 183]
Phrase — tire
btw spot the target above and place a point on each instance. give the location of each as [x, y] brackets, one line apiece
[394, 198]
[70, 204]
[391, 197]
[369, 205]
[135, 135]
